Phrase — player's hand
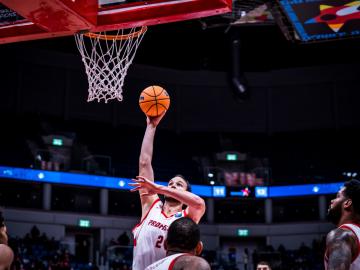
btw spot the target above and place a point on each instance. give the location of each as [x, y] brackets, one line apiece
[144, 184]
[154, 120]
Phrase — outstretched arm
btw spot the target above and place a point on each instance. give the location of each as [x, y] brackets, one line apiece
[196, 205]
[341, 248]
[145, 167]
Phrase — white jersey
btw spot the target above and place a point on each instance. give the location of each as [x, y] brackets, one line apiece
[150, 234]
[165, 264]
[355, 263]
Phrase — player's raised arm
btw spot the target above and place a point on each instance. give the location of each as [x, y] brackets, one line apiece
[196, 205]
[145, 159]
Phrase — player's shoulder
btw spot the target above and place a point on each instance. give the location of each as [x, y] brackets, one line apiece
[341, 234]
[156, 203]
[6, 255]
[154, 206]
[5, 249]
[188, 262]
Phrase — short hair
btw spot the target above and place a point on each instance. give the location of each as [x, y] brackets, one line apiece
[188, 186]
[264, 263]
[352, 191]
[183, 235]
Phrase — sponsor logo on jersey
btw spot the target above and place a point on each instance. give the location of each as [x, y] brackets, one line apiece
[178, 214]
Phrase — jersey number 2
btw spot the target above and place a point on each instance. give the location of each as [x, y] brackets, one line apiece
[159, 241]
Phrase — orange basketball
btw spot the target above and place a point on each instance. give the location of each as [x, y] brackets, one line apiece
[154, 100]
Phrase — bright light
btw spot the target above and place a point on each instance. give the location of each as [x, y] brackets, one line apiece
[57, 141]
[210, 175]
[212, 182]
[121, 183]
[41, 175]
[243, 232]
[349, 174]
[8, 172]
[354, 174]
[316, 189]
[84, 223]
[231, 157]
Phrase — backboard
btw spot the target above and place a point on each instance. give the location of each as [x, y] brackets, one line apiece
[37, 19]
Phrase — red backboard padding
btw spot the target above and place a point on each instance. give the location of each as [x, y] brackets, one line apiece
[51, 18]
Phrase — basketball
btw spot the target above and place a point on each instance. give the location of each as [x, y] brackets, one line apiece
[154, 100]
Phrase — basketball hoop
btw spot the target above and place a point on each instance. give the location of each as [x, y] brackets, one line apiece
[107, 58]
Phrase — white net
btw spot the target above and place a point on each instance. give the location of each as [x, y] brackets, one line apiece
[107, 58]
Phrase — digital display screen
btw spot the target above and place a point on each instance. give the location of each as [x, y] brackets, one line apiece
[316, 20]
[219, 191]
[261, 192]
[300, 190]
[239, 179]
[244, 192]
[93, 180]
[201, 190]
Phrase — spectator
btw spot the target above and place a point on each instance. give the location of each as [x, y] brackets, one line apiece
[245, 257]
[35, 233]
[124, 239]
[263, 266]
[255, 256]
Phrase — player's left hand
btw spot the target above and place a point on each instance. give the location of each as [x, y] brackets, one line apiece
[142, 183]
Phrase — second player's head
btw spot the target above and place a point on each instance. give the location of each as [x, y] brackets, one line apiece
[184, 237]
[347, 202]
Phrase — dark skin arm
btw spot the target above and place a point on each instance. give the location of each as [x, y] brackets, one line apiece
[341, 248]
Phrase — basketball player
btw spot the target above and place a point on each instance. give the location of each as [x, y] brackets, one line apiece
[156, 217]
[182, 246]
[263, 266]
[342, 243]
[6, 254]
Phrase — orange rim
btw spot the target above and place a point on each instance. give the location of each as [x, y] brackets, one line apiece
[117, 37]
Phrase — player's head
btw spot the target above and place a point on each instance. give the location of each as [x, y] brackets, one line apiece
[178, 182]
[184, 236]
[263, 266]
[347, 201]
